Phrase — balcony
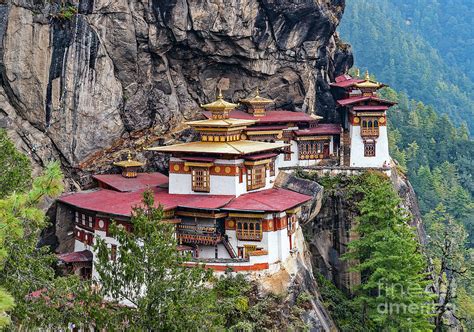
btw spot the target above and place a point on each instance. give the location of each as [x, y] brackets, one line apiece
[369, 132]
[249, 235]
[203, 235]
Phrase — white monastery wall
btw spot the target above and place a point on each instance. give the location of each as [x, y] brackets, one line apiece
[357, 149]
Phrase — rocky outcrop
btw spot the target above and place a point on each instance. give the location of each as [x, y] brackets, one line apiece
[82, 81]
[329, 233]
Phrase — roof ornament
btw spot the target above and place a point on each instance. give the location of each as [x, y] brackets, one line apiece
[358, 72]
[129, 166]
[257, 104]
[367, 77]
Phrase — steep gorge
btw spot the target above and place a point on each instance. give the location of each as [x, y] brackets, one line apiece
[83, 81]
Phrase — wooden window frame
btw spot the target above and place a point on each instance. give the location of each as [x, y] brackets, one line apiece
[271, 167]
[249, 229]
[287, 151]
[256, 177]
[198, 184]
[369, 148]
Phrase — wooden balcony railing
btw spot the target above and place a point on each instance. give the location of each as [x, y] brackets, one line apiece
[369, 132]
[204, 239]
[183, 228]
[249, 235]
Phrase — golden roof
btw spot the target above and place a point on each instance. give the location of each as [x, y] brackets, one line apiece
[368, 83]
[257, 100]
[220, 104]
[221, 123]
[229, 148]
[129, 162]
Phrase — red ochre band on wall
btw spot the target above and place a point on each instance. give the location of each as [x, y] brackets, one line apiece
[222, 170]
[235, 268]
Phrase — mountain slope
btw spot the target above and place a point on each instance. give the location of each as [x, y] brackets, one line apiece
[406, 57]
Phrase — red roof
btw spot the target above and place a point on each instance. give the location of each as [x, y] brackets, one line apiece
[345, 81]
[77, 256]
[270, 200]
[122, 203]
[321, 129]
[261, 156]
[355, 100]
[270, 116]
[370, 108]
[142, 181]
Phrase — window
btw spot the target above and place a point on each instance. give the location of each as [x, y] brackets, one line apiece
[250, 230]
[369, 148]
[256, 176]
[370, 127]
[272, 167]
[200, 179]
[241, 174]
[312, 150]
[287, 151]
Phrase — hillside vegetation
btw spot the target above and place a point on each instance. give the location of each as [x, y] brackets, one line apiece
[421, 48]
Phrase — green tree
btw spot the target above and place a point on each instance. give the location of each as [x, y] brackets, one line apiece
[392, 293]
[15, 170]
[149, 275]
[20, 222]
[447, 248]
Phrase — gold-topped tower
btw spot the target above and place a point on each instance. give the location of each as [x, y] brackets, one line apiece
[129, 166]
[257, 104]
[368, 86]
[220, 108]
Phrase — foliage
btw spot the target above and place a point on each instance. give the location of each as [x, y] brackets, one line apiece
[15, 171]
[149, 275]
[438, 157]
[410, 45]
[66, 12]
[243, 308]
[392, 292]
[345, 312]
[453, 265]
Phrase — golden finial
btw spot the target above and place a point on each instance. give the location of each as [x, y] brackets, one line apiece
[258, 92]
[358, 72]
[367, 77]
[129, 157]
[220, 96]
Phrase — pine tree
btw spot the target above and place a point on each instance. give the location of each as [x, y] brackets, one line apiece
[150, 277]
[15, 170]
[392, 293]
[452, 263]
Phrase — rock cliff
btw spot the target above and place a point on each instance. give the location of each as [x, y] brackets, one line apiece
[82, 81]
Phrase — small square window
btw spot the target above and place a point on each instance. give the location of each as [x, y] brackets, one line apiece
[369, 149]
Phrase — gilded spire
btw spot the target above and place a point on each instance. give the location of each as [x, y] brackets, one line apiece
[358, 72]
[129, 166]
[367, 77]
[220, 108]
[257, 104]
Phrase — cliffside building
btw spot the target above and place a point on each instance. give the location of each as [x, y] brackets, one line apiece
[364, 122]
[222, 192]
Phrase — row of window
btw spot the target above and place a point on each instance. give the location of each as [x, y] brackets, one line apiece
[256, 177]
[84, 236]
[313, 149]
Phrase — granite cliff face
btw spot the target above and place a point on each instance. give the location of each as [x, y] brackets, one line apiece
[82, 81]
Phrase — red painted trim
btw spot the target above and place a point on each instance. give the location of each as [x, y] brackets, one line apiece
[223, 268]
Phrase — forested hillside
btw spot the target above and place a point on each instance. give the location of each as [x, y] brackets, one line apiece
[419, 47]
